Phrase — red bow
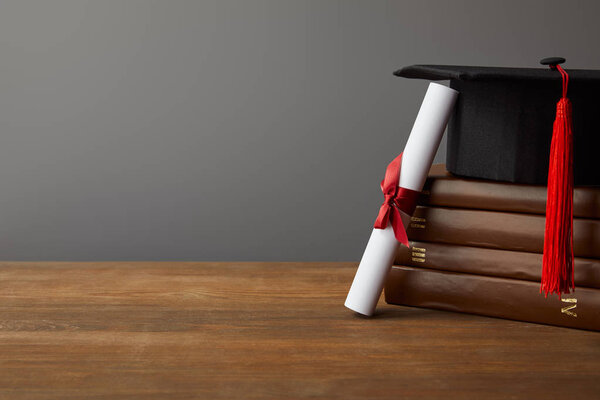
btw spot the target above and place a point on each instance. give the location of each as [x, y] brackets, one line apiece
[396, 199]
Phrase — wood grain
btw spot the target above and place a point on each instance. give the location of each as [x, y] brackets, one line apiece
[151, 330]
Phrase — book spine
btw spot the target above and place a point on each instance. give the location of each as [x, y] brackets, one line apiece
[497, 230]
[494, 297]
[490, 262]
[450, 191]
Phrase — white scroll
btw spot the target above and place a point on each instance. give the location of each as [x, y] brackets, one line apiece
[419, 152]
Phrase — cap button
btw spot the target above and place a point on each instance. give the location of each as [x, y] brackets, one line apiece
[552, 61]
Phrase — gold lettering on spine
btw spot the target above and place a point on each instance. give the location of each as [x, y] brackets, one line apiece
[417, 222]
[567, 310]
[418, 254]
[421, 226]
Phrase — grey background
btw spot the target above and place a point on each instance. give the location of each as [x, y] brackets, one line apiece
[230, 130]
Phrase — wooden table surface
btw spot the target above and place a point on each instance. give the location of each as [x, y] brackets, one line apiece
[262, 330]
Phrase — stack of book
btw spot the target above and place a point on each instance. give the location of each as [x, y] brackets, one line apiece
[476, 247]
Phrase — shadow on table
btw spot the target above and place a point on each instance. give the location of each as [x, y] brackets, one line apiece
[400, 312]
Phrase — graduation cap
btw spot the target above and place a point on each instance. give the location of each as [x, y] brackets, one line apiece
[502, 125]
[518, 125]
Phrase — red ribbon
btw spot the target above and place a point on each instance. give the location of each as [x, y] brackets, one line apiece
[396, 199]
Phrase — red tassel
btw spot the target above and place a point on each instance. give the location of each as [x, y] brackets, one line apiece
[558, 262]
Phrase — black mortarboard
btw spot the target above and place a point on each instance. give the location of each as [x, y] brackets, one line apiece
[502, 125]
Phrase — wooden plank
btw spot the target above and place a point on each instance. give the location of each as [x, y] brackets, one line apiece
[261, 330]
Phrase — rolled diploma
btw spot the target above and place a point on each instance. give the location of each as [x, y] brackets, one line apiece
[419, 152]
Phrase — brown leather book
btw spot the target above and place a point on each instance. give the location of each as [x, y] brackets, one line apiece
[490, 262]
[447, 190]
[498, 230]
[495, 297]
